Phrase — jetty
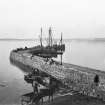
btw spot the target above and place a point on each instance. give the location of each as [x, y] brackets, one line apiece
[78, 78]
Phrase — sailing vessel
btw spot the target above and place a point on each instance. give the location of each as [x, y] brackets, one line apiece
[49, 51]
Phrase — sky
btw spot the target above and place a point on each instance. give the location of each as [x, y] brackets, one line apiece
[74, 18]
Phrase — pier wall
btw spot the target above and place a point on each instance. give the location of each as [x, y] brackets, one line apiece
[74, 77]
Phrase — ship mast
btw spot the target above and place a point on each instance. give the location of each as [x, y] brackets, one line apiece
[41, 37]
[50, 37]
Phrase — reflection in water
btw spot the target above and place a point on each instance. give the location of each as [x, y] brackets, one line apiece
[12, 84]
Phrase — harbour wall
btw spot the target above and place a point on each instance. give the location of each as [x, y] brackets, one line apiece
[75, 77]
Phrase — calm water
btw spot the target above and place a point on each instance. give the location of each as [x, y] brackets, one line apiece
[12, 84]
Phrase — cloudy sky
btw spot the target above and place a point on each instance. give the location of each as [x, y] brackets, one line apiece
[75, 18]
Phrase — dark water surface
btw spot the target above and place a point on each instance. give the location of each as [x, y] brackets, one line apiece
[12, 84]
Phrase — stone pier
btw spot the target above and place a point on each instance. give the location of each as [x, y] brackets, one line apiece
[80, 79]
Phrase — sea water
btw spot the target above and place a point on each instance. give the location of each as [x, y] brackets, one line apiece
[87, 53]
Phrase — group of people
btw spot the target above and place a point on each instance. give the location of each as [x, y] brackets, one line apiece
[50, 87]
[52, 84]
[49, 81]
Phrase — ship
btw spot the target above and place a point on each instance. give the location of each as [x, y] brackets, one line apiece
[50, 50]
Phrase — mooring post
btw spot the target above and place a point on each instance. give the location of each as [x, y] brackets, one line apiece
[61, 48]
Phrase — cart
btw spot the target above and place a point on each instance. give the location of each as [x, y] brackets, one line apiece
[26, 98]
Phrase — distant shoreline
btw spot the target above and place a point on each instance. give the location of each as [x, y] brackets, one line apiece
[90, 39]
[57, 40]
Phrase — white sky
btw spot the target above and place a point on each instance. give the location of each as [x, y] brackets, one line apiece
[75, 18]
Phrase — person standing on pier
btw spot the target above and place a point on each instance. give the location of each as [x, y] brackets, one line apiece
[95, 84]
[35, 86]
[35, 91]
[96, 80]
